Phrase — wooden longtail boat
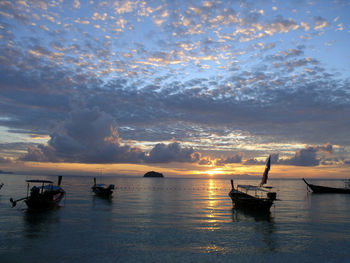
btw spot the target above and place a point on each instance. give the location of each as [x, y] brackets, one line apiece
[102, 189]
[254, 198]
[326, 189]
[42, 197]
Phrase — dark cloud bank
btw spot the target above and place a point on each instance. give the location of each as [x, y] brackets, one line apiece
[91, 136]
[310, 156]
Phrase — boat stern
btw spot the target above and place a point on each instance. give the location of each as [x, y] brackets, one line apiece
[272, 195]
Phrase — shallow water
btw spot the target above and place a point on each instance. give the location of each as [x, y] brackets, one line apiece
[173, 220]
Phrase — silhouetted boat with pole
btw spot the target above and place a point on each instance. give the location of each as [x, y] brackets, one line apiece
[254, 198]
[42, 197]
[1, 185]
[102, 189]
[328, 190]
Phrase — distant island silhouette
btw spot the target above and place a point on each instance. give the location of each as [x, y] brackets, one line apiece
[5, 172]
[153, 174]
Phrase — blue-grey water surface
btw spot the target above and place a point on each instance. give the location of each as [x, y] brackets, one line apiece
[173, 220]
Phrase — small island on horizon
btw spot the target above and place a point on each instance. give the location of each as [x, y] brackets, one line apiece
[153, 174]
[5, 172]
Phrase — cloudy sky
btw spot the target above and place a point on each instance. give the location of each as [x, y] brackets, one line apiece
[181, 87]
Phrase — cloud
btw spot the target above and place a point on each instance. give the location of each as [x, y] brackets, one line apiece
[76, 4]
[4, 160]
[91, 136]
[281, 25]
[284, 107]
[308, 156]
[253, 161]
[101, 17]
[124, 7]
[306, 26]
[320, 23]
[205, 161]
[274, 157]
[82, 21]
[304, 157]
[232, 159]
[172, 152]
[40, 153]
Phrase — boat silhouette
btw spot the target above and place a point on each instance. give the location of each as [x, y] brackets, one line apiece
[254, 198]
[319, 189]
[44, 196]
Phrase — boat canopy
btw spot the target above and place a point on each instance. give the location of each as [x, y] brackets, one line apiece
[52, 187]
[251, 187]
[39, 181]
[100, 185]
[49, 187]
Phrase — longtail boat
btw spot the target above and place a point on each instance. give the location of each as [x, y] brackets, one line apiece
[102, 189]
[254, 198]
[44, 196]
[327, 190]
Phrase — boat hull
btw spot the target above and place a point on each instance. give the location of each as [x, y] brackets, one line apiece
[326, 189]
[101, 191]
[245, 201]
[45, 201]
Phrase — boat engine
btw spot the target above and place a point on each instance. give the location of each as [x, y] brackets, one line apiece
[272, 195]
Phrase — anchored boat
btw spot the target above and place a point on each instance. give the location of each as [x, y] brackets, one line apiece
[254, 198]
[42, 196]
[102, 189]
[328, 190]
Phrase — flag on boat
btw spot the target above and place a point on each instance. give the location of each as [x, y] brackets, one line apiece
[266, 172]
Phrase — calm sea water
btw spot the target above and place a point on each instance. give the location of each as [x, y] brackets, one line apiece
[173, 220]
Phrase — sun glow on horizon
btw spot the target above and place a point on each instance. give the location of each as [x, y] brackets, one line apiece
[179, 170]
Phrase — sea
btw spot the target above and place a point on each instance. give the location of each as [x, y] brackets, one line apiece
[173, 220]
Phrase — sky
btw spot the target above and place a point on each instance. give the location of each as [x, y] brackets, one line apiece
[187, 88]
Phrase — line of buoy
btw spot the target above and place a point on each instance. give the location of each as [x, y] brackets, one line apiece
[170, 188]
